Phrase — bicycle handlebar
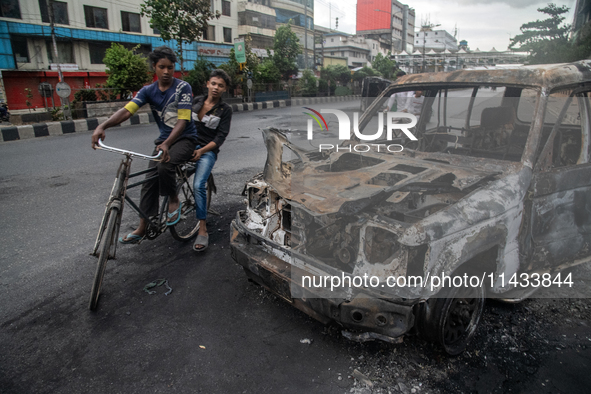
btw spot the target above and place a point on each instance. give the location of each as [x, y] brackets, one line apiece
[127, 152]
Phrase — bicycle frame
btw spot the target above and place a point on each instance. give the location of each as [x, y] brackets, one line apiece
[156, 225]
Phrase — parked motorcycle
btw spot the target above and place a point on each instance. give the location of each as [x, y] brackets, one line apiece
[4, 114]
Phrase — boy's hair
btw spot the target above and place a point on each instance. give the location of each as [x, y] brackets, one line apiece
[220, 74]
[161, 53]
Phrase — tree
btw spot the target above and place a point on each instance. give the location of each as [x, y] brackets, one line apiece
[307, 84]
[546, 40]
[268, 72]
[199, 76]
[359, 75]
[127, 71]
[286, 48]
[385, 66]
[233, 67]
[336, 73]
[181, 20]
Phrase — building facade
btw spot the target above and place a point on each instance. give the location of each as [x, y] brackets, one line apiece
[352, 48]
[84, 29]
[427, 38]
[301, 15]
[257, 18]
[389, 22]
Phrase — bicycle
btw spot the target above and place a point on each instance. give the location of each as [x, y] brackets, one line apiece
[105, 245]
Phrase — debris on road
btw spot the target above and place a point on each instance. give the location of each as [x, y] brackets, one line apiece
[362, 378]
[156, 283]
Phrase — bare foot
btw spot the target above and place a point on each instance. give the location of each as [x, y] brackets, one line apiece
[173, 205]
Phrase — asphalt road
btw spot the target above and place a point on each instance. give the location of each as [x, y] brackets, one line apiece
[216, 332]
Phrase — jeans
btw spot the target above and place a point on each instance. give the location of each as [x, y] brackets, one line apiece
[203, 169]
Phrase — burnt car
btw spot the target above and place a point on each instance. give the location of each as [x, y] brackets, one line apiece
[491, 198]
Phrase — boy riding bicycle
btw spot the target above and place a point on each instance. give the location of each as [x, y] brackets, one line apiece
[170, 100]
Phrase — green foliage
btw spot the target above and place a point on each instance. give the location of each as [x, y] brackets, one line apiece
[104, 95]
[307, 84]
[268, 72]
[231, 72]
[324, 88]
[56, 114]
[385, 66]
[199, 76]
[342, 91]
[359, 75]
[85, 95]
[547, 40]
[233, 67]
[181, 20]
[336, 73]
[127, 71]
[286, 48]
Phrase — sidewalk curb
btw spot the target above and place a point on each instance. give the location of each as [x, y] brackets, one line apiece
[14, 133]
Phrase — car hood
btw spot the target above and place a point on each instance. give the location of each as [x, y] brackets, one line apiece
[347, 183]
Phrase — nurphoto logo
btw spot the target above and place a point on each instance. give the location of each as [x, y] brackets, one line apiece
[394, 120]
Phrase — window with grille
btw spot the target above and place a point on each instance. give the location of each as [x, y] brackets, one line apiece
[10, 9]
[20, 49]
[131, 22]
[227, 34]
[96, 17]
[65, 52]
[209, 34]
[60, 12]
[226, 8]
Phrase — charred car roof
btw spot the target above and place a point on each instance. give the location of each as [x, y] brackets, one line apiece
[548, 76]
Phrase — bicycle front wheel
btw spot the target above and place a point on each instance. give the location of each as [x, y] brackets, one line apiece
[188, 225]
[104, 251]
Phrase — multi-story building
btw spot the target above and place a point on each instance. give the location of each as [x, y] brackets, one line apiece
[301, 15]
[353, 48]
[332, 47]
[257, 18]
[390, 22]
[84, 29]
[427, 38]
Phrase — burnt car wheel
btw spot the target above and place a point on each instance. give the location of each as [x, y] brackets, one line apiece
[451, 321]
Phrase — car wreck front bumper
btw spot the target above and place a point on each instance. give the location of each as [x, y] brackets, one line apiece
[375, 318]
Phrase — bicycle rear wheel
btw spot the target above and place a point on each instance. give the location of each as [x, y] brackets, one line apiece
[103, 251]
[188, 226]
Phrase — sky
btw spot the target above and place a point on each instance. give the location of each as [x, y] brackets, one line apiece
[483, 23]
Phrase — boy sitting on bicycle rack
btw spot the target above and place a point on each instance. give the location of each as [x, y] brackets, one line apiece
[212, 118]
[170, 101]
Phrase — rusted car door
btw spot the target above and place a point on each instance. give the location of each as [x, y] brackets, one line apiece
[561, 187]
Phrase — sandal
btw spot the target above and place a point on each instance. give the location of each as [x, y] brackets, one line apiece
[131, 238]
[202, 240]
[177, 212]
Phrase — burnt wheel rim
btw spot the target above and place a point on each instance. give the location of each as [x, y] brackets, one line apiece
[461, 319]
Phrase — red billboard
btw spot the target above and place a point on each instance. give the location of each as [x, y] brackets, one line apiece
[373, 15]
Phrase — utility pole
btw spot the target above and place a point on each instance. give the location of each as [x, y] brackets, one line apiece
[306, 35]
[65, 101]
[55, 54]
